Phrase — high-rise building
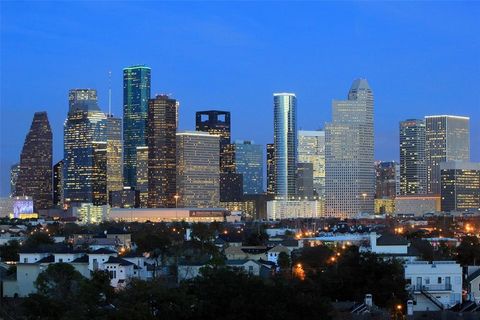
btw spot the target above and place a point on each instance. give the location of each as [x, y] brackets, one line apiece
[305, 190]
[349, 142]
[142, 176]
[447, 138]
[386, 180]
[58, 170]
[114, 154]
[198, 173]
[270, 169]
[136, 93]
[218, 123]
[460, 186]
[413, 169]
[311, 149]
[99, 173]
[84, 131]
[285, 140]
[249, 163]
[161, 142]
[14, 170]
[35, 174]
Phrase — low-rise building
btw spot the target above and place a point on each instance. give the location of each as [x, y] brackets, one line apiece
[416, 205]
[435, 285]
[293, 209]
[169, 214]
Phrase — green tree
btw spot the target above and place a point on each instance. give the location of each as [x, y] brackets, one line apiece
[284, 263]
[468, 252]
[9, 251]
[38, 239]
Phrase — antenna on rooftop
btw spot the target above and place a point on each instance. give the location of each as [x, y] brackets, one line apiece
[109, 93]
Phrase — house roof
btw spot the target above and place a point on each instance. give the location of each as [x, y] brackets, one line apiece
[47, 259]
[279, 249]
[82, 259]
[120, 261]
[103, 251]
[238, 262]
[388, 239]
[473, 275]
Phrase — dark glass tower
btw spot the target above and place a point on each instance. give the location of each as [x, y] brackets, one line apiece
[270, 169]
[136, 93]
[161, 138]
[35, 170]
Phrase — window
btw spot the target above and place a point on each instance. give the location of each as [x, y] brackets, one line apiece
[427, 280]
[25, 260]
[439, 280]
[250, 269]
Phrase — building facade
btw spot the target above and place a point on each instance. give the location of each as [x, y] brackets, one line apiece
[142, 176]
[136, 93]
[35, 168]
[161, 141]
[385, 179]
[285, 141]
[14, 170]
[460, 186]
[58, 169]
[311, 149]
[114, 154]
[447, 138]
[270, 169]
[84, 139]
[349, 146]
[198, 174]
[413, 169]
[304, 180]
[249, 163]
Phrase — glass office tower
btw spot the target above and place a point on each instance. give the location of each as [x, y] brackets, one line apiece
[413, 169]
[84, 142]
[460, 186]
[270, 169]
[349, 141]
[249, 163]
[311, 149]
[285, 141]
[136, 93]
[447, 138]
[161, 142]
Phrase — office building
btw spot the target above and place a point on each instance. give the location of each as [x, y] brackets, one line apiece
[285, 141]
[14, 170]
[447, 138]
[142, 176]
[270, 169]
[136, 93]
[161, 143]
[349, 142]
[84, 140]
[198, 174]
[311, 149]
[460, 186]
[114, 154]
[35, 171]
[305, 189]
[294, 209]
[99, 173]
[249, 163]
[417, 204]
[58, 170]
[217, 122]
[386, 180]
[413, 168]
[191, 215]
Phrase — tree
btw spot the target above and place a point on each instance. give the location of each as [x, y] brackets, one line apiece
[469, 251]
[60, 281]
[38, 239]
[284, 262]
[9, 251]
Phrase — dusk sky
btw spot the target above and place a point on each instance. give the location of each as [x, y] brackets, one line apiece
[420, 58]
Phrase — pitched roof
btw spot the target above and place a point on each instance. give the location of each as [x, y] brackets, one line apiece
[103, 251]
[47, 259]
[473, 275]
[388, 239]
[238, 262]
[119, 261]
[82, 259]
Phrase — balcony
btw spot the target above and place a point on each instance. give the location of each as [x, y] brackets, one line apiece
[430, 287]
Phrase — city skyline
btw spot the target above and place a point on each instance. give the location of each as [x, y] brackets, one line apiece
[314, 97]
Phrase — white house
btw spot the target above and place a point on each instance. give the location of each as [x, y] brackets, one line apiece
[272, 254]
[248, 266]
[435, 285]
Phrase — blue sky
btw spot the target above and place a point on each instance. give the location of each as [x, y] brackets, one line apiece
[420, 58]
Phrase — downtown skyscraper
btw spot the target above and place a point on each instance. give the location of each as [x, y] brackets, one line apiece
[413, 169]
[447, 138]
[311, 149]
[349, 147]
[285, 142]
[136, 93]
[249, 163]
[35, 168]
[161, 141]
[114, 154]
[84, 148]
